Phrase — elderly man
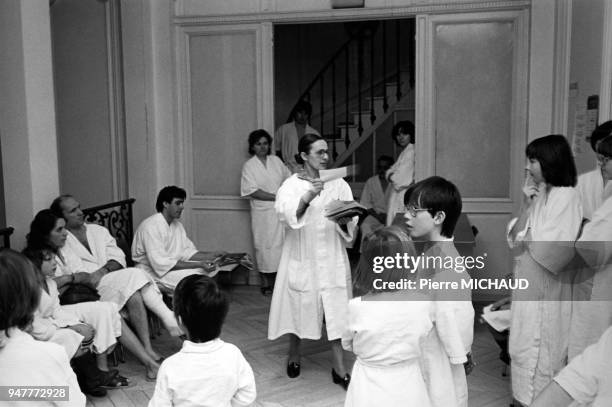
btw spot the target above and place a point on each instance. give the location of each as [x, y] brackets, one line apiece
[96, 252]
[161, 245]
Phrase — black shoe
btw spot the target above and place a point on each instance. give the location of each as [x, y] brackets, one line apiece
[95, 392]
[342, 381]
[293, 370]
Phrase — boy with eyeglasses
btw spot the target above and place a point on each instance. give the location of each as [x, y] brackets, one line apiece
[433, 207]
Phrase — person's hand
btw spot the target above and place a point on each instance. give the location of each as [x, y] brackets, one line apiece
[208, 265]
[502, 304]
[87, 331]
[316, 186]
[93, 279]
[530, 189]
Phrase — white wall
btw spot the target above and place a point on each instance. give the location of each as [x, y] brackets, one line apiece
[585, 67]
[27, 113]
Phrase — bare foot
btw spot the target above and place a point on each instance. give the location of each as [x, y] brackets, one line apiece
[151, 372]
[175, 331]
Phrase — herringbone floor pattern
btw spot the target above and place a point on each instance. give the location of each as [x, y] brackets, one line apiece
[246, 327]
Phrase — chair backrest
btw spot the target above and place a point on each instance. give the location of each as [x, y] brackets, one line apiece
[118, 219]
[5, 237]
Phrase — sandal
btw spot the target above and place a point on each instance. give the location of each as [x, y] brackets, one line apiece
[117, 382]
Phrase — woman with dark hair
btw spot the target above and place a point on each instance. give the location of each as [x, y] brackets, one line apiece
[314, 269]
[542, 236]
[48, 232]
[592, 310]
[24, 361]
[401, 173]
[262, 175]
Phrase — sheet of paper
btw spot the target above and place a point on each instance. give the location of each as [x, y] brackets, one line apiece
[499, 320]
[335, 173]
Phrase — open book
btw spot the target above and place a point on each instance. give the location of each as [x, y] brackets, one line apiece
[342, 209]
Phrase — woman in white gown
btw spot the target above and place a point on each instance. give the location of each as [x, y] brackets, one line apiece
[542, 237]
[262, 175]
[592, 308]
[386, 328]
[401, 173]
[312, 278]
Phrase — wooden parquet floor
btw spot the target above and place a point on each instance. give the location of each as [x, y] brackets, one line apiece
[246, 327]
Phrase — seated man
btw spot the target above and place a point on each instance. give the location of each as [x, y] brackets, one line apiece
[587, 379]
[374, 197]
[161, 245]
[96, 252]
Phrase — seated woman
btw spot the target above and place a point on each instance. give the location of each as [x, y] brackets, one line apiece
[23, 360]
[78, 328]
[47, 232]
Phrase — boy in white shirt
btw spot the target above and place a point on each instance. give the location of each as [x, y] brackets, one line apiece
[206, 371]
[433, 206]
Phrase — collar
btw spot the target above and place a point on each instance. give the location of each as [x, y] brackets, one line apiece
[205, 347]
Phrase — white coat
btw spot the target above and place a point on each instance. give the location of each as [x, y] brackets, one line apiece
[592, 191]
[401, 175]
[592, 308]
[117, 286]
[314, 271]
[539, 329]
[268, 232]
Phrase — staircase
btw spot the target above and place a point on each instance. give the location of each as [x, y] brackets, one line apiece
[360, 90]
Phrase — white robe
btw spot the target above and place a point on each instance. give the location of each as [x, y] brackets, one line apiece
[591, 189]
[588, 378]
[592, 308]
[401, 175]
[386, 337]
[26, 362]
[213, 373]
[157, 247]
[374, 197]
[539, 329]
[314, 268]
[286, 141]
[446, 346]
[268, 232]
[51, 317]
[117, 286]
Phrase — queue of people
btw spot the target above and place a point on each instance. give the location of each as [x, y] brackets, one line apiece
[69, 299]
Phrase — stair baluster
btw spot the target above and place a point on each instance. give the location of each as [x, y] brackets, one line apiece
[347, 140]
[359, 82]
[321, 130]
[372, 114]
[334, 130]
[384, 63]
[398, 84]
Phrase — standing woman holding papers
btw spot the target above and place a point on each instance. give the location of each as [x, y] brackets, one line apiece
[312, 279]
[261, 177]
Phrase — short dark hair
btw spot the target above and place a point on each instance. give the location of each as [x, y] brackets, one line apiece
[404, 127]
[604, 146]
[202, 307]
[602, 131]
[255, 136]
[167, 194]
[40, 228]
[302, 106]
[304, 145]
[19, 290]
[56, 205]
[555, 158]
[439, 195]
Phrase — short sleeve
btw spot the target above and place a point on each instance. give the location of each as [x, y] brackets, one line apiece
[161, 395]
[246, 393]
[248, 183]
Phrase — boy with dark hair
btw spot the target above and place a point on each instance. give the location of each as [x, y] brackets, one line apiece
[432, 209]
[207, 371]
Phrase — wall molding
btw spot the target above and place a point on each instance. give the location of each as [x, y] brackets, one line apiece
[116, 101]
[419, 7]
[605, 93]
[563, 46]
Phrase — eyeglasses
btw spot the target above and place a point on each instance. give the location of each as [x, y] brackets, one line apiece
[414, 211]
[603, 159]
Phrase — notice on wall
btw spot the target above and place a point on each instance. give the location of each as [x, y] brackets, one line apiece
[585, 121]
